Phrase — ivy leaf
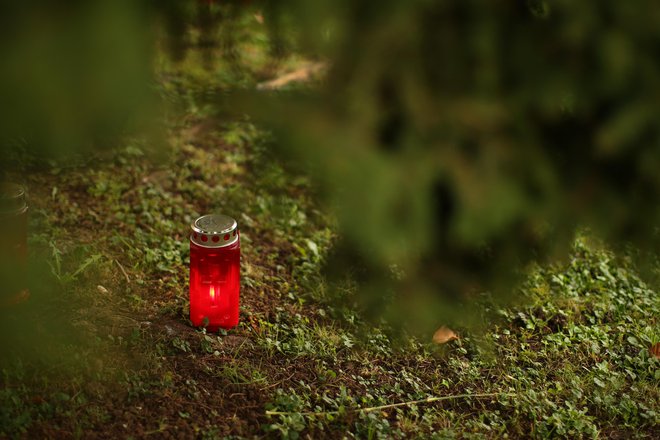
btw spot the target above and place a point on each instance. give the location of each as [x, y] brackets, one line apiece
[313, 247]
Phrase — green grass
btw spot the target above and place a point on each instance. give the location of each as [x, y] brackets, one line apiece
[569, 359]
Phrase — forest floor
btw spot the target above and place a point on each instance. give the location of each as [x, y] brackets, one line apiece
[108, 351]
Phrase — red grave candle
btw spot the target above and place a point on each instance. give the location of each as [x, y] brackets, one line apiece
[215, 258]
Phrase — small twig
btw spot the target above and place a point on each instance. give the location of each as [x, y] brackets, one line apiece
[123, 271]
[276, 384]
[303, 74]
[391, 405]
[161, 428]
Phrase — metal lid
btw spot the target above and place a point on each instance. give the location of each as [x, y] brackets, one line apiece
[214, 230]
[12, 199]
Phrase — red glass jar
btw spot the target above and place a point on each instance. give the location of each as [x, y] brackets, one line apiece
[13, 244]
[215, 258]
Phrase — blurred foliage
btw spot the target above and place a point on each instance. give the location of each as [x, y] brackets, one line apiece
[74, 76]
[456, 140]
[460, 139]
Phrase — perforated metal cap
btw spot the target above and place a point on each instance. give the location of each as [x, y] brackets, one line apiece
[12, 199]
[214, 230]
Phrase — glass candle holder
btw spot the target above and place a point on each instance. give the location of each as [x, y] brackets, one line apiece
[13, 244]
[215, 258]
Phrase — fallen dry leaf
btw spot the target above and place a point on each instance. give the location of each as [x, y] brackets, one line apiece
[443, 335]
[655, 350]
